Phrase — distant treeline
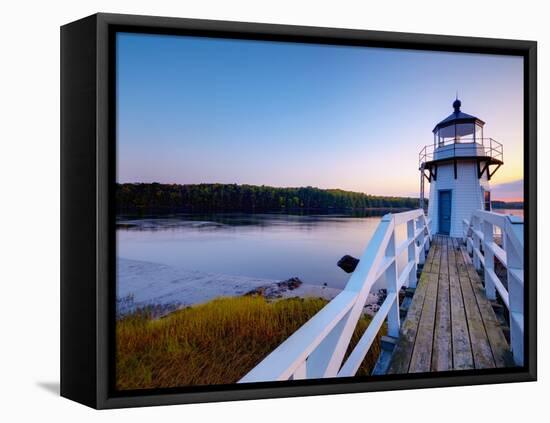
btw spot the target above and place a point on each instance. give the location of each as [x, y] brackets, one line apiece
[507, 205]
[247, 198]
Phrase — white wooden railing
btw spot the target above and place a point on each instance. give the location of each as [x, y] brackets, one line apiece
[317, 349]
[479, 235]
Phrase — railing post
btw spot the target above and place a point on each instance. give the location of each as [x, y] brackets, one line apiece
[465, 231]
[318, 361]
[489, 257]
[411, 256]
[469, 245]
[514, 261]
[301, 372]
[477, 241]
[422, 240]
[391, 286]
[326, 359]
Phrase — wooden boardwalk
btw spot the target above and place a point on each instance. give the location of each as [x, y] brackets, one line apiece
[450, 324]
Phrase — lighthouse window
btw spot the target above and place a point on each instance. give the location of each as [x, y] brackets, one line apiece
[464, 132]
[479, 134]
[446, 135]
[487, 200]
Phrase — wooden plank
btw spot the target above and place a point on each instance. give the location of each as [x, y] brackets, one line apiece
[429, 258]
[481, 349]
[461, 266]
[502, 354]
[472, 273]
[442, 356]
[451, 257]
[437, 255]
[466, 257]
[442, 246]
[444, 257]
[469, 265]
[401, 357]
[499, 346]
[422, 352]
[462, 350]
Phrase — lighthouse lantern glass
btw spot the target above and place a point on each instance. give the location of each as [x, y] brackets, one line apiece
[459, 133]
[464, 132]
[478, 135]
[446, 135]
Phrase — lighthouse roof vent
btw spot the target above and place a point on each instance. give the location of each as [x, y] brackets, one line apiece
[457, 117]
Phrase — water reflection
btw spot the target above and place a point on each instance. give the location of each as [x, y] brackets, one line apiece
[513, 212]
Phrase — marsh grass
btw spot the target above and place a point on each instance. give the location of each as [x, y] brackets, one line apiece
[214, 343]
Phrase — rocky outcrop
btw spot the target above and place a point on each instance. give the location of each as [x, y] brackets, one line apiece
[348, 263]
[277, 289]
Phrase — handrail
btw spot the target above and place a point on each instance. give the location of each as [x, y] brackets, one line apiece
[317, 349]
[489, 148]
[478, 234]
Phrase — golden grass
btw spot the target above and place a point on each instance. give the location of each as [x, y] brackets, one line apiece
[214, 343]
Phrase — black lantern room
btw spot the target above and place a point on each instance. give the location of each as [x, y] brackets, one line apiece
[458, 127]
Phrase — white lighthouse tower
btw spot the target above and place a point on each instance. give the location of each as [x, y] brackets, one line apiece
[458, 166]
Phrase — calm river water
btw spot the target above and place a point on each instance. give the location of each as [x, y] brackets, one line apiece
[271, 246]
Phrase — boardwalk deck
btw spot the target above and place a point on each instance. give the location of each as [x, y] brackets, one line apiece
[450, 324]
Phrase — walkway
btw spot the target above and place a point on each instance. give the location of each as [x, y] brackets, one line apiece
[450, 324]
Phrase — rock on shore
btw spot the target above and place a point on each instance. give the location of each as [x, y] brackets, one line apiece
[163, 288]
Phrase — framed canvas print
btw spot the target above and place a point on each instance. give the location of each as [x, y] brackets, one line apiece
[254, 211]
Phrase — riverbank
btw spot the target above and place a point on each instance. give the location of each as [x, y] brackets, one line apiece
[217, 342]
[164, 288]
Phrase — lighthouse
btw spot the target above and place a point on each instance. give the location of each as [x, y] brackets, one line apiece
[458, 166]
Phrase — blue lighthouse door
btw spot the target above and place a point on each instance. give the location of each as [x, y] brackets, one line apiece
[445, 212]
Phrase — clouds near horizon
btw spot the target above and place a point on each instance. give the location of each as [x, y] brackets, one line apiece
[508, 191]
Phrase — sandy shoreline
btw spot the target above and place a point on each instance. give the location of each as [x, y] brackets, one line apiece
[167, 288]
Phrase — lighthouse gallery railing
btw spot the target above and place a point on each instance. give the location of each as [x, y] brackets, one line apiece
[486, 147]
[317, 349]
[479, 235]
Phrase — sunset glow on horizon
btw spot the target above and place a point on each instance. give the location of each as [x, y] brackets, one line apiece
[206, 110]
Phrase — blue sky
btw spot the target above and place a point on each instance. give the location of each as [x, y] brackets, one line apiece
[194, 110]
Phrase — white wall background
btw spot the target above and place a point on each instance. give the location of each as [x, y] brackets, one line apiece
[29, 209]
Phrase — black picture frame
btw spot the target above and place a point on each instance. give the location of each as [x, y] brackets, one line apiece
[87, 208]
